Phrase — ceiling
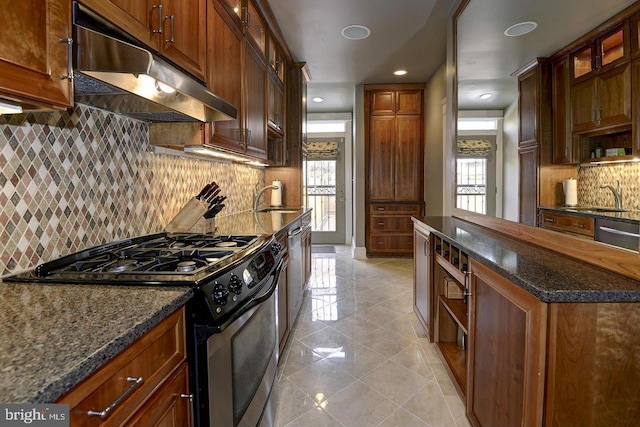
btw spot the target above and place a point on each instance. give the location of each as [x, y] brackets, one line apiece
[407, 34]
[411, 34]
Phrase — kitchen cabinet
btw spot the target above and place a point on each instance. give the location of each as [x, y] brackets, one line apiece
[422, 270]
[389, 227]
[603, 101]
[255, 28]
[563, 149]
[576, 224]
[255, 106]
[534, 134]
[177, 29]
[507, 342]
[149, 375]
[275, 118]
[224, 75]
[35, 59]
[604, 52]
[394, 157]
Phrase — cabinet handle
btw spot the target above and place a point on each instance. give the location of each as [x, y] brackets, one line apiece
[620, 232]
[159, 30]
[466, 292]
[190, 397]
[575, 224]
[551, 220]
[107, 411]
[172, 20]
[599, 114]
[593, 115]
[381, 224]
[380, 208]
[425, 248]
[69, 42]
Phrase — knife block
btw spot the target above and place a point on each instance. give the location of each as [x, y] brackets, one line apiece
[188, 216]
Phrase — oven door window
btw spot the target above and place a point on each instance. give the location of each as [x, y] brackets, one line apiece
[252, 348]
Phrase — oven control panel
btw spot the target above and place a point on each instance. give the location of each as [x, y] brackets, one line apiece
[238, 284]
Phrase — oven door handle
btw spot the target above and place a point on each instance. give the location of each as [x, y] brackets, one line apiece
[258, 299]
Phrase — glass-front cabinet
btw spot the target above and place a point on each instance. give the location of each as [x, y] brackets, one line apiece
[603, 53]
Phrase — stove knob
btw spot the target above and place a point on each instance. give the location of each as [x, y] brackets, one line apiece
[276, 248]
[220, 294]
[235, 284]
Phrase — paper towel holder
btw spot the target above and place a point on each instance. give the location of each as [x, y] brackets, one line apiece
[277, 193]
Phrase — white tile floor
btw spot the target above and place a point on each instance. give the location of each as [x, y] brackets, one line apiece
[357, 355]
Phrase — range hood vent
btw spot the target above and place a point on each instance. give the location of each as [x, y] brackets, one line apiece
[118, 76]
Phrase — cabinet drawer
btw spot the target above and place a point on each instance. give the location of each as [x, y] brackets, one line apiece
[571, 223]
[380, 243]
[388, 208]
[391, 223]
[153, 358]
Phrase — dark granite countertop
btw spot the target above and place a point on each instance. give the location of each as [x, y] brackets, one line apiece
[549, 276]
[258, 223]
[55, 335]
[631, 216]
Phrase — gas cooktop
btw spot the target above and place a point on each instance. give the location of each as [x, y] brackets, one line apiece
[164, 258]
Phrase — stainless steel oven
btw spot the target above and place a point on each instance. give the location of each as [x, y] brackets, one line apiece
[232, 333]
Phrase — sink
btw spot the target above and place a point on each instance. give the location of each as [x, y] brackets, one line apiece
[279, 210]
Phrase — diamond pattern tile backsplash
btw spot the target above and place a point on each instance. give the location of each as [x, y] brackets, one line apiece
[72, 181]
[591, 178]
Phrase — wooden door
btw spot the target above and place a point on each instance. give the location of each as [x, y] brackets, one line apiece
[169, 406]
[563, 152]
[141, 19]
[408, 171]
[408, 102]
[184, 37]
[422, 280]
[32, 59]
[381, 157]
[528, 185]
[507, 339]
[614, 97]
[256, 102]
[224, 74]
[583, 106]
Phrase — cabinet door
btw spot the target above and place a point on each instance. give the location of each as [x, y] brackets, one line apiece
[614, 97]
[408, 173]
[256, 103]
[583, 106]
[408, 102]
[507, 339]
[169, 406]
[184, 37]
[275, 117]
[383, 103]
[141, 19]
[563, 152]
[256, 30]
[422, 280]
[225, 75]
[528, 185]
[31, 57]
[381, 157]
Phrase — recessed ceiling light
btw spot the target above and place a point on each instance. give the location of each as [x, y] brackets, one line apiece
[317, 99]
[486, 96]
[400, 72]
[520, 29]
[355, 32]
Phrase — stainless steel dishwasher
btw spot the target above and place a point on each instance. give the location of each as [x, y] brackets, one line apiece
[295, 284]
[618, 233]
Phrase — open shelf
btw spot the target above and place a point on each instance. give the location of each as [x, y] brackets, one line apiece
[456, 361]
[458, 310]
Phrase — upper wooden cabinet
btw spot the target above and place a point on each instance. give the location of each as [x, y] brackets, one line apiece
[602, 54]
[34, 55]
[563, 150]
[255, 105]
[255, 28]
[174, 28]
[396, 102]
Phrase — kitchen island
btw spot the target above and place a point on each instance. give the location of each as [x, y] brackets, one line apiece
[57, 335]
[530, 337]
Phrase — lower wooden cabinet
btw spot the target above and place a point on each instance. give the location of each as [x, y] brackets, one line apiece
[576, 224]
[422, 268]
[142, 385]
[390, 228]
[507, 337]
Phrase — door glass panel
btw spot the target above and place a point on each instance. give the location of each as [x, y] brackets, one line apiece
[612, 47]
[321, 193]
[582, 63]
[471, 184]
[234, 5]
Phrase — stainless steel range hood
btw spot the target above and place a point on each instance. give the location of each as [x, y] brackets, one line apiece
[118, 76]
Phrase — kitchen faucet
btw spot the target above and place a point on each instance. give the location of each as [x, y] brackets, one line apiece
[257, 193]
[617, 193]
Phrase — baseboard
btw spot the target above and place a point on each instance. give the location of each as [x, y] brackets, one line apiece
[358, 252]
